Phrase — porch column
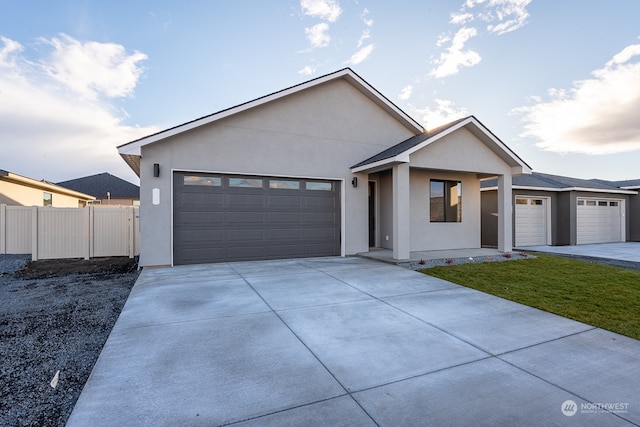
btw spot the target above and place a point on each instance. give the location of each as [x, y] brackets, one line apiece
[401, 212]
[505, 214]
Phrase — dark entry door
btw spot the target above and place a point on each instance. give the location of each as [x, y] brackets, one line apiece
[372, 214]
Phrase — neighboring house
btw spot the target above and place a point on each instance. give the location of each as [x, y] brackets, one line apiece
[327, 167]
[559, 210]
[106, 188]
[18, 190]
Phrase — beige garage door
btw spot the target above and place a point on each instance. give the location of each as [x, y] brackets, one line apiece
[599, 221]
[531, 221]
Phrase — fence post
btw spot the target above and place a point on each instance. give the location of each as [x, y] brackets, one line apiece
[90, 219]
[34, 233]
[132, 225]
[3, 229]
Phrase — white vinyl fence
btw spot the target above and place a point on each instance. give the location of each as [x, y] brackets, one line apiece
[54, 233]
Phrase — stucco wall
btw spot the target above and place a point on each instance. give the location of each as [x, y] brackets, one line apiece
[21, 195]
[460, 151]
[427, 235]
[317, 133]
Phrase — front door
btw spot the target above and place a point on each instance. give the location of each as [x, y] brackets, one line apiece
[372, 214]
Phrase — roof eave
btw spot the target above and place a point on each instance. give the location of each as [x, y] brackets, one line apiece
[23, 180]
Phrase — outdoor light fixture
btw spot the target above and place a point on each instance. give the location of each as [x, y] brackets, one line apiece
[354, 182]
[156, 170]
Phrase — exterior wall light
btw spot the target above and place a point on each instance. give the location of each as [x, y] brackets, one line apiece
[156, 170]
[354, 182]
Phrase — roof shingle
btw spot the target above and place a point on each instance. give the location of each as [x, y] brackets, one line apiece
[98, 186]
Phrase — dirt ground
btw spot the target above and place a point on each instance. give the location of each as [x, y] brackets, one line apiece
[55, 317]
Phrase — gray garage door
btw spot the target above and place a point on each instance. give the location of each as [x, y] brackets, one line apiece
[235, 218]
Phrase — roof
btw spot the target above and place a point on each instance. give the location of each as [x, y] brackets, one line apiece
[630, 184]
[548, 182]
[101, 184]
[43, 185]
[400, 153]
[131, 152]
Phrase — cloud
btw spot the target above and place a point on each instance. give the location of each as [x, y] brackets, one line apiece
[57, 120]
[92, 69]
[367, 21]
[361, 55]
[511, 14]
[456, 56]
[595, 116]
[500, 16]
[327, 10]
[405, 93]
[307, 70]
[317, 35]
[366, 34]
[444, 112]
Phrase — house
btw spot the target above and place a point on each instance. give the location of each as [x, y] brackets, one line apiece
[326, 167]
[18, 190]
[106, 188]
[559, 210]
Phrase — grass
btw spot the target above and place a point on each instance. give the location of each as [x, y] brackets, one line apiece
[599, 295]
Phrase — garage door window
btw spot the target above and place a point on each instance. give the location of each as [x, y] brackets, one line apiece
[209, 181]
[613, 203]
[245, 182]
[322, 186]
[591, 202]
[284, 184]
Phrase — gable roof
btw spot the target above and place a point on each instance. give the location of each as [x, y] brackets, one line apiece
[131, 152]
[98, 185]
[400, 153]
[43, 185]
[548, 182]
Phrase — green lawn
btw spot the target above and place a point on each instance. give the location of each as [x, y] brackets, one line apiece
[599, 295]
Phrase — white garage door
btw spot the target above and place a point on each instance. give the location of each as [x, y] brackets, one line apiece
[599, 221]
[531, 221]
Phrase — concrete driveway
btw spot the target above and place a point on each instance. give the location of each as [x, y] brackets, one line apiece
[348, 341]
[623, 251]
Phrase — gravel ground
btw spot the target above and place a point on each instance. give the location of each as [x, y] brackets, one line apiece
[55, 317]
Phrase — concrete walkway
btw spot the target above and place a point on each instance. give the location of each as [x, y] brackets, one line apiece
[348, 341]
[625, 251]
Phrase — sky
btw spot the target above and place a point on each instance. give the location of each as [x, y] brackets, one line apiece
[557, 81]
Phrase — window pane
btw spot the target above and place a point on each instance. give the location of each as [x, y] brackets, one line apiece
[212, 181]
[580, 202]
[591, 202]
[536, 202]
[445, 201]
[454, 201]
[245, 182]
[602, 203]
[436, 201]
[613, 203]
[521, 201]
[47, 199]
[284, 184]
[323, 186]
